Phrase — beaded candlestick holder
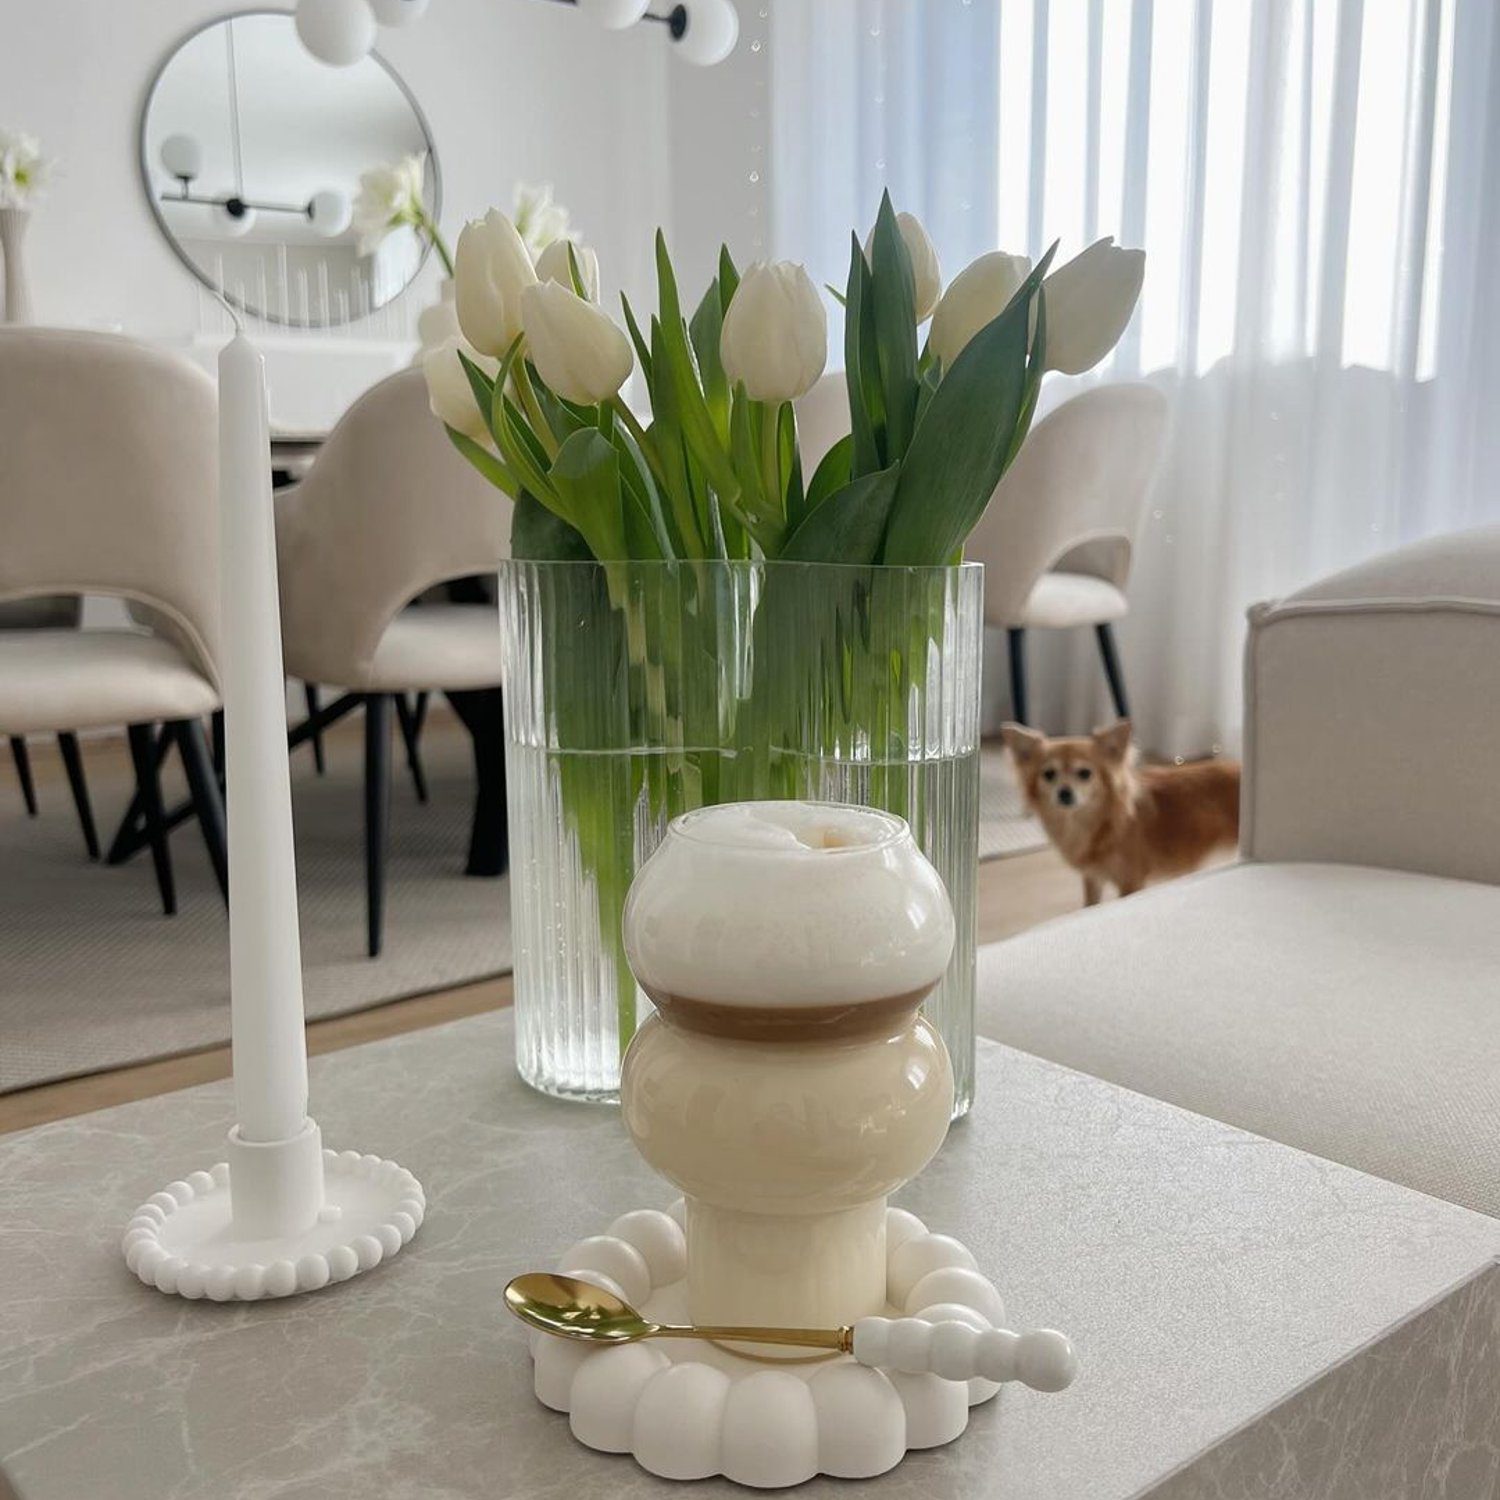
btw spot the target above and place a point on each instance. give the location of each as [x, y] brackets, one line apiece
[281, 1214]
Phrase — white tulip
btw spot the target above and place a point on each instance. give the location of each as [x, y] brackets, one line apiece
[552, 265]
[926, 270]
[491, 269]
[1089, 302]
[577, 350]
[775, 337]
[449, 393]
[977, 296]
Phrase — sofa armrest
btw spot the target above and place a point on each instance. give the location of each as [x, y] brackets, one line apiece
[1372, 715]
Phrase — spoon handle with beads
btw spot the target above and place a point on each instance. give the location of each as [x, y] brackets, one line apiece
[1041, 1358]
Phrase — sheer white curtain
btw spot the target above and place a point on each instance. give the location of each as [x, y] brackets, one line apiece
[1317, 186]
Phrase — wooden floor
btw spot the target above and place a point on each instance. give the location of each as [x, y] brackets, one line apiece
[1013, 894]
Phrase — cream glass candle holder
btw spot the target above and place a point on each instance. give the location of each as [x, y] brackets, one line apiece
[787, 1083]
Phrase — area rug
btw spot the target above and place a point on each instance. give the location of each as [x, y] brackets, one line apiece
[92, 976]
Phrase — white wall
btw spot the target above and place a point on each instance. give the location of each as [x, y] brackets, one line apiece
[513, 90]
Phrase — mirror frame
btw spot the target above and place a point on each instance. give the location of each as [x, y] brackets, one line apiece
[161, 222]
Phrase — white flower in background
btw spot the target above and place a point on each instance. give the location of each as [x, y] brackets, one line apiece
[538, 220]
[491, 270]
[23, 169]
[449, 393]
[978, 295]
[577, 350]
[775, 338]
[552, 265]
[1089, 302]
[388, 196]
[926, 270]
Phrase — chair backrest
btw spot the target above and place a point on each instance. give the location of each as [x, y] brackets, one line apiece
[388, 509]
[822, 419]
[109, 478]
[1074, 495]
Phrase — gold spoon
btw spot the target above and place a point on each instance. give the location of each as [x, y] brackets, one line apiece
[576, 1309]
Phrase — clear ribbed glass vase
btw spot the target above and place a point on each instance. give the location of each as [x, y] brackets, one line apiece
[635, 691]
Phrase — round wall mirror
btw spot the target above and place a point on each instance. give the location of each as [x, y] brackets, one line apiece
[251, 155]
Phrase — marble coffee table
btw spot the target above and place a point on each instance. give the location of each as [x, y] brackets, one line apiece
[1251, 1321]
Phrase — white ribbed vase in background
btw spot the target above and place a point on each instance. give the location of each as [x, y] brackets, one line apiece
[635, 691]
[17, 305]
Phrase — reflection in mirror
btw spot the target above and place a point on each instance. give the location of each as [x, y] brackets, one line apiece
[251, 153]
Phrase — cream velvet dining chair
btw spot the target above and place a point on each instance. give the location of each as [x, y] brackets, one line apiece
[1057, 537]
[387, 511]
[108, 475]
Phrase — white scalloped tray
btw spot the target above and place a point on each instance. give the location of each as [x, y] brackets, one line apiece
[689, 1410]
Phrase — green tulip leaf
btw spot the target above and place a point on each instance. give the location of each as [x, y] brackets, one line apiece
[704, 331]
[849, 526]
[729, 279]
[962, 446]
[861, 366]
[893, 302]
[540, 535]
[642, 349]
[833, 473]
[586, 474]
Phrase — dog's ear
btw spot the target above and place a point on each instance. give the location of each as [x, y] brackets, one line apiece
[1022, 742]
[1114, 741]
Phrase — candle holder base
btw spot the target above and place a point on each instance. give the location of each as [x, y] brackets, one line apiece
[188, 1240]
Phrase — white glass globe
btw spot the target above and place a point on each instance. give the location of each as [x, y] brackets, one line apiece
[330, 212]
[337, 32]
[182, 156]
[614, 15]
[713, 27]
[397, 12]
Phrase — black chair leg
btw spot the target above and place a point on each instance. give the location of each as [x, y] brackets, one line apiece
[1112, 670]
[22, 758]
[411, 730]
[148, 789]
[377, 811]
[311, 696]
[203, 785]
[1015, 640]
[67, 743]
[218, 734]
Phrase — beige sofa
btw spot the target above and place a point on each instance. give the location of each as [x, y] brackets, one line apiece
[1339, 989]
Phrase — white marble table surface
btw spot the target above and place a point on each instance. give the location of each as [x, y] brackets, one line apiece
[1252, 1321]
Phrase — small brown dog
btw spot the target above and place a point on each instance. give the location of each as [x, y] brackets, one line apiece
[1116, 821]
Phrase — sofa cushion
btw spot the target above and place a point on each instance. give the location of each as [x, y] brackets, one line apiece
[1351, 1012]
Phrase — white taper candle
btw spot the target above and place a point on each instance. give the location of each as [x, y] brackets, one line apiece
[265, 965]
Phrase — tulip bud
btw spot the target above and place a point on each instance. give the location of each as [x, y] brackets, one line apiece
[449, 393]
[1089, 302]
[977, 296]
[491, 269]
[552, 265]
[926, 271]
[577, 350]
[775, 338]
